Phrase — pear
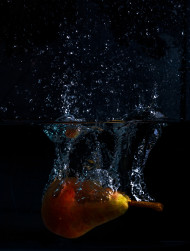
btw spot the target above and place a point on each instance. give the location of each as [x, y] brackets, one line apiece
[72, 208]
[72, 132]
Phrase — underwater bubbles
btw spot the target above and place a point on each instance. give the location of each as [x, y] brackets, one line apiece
[112, 153]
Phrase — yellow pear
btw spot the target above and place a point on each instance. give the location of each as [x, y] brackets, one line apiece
[72, 208]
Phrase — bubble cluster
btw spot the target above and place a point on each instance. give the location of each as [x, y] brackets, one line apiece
[113, 154]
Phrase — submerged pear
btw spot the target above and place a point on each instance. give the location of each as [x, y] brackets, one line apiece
[72, 132]
[72, 208]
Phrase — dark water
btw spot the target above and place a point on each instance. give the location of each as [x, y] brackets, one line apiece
[112, 153]
[27, 157]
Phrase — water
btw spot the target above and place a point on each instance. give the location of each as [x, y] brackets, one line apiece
[102, 60]
[113, 153]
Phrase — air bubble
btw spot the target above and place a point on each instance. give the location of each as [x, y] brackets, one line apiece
[3, 109]
[87, 155]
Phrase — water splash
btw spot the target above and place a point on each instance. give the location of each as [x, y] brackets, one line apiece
[143, 149]
[114, 154]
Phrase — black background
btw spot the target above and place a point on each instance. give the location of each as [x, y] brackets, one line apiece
[28, 27]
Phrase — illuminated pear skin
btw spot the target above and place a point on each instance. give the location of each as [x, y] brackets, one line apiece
[71, 212]
[72, 208]
[72, 133]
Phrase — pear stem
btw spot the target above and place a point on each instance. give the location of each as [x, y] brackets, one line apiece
[153, 205]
